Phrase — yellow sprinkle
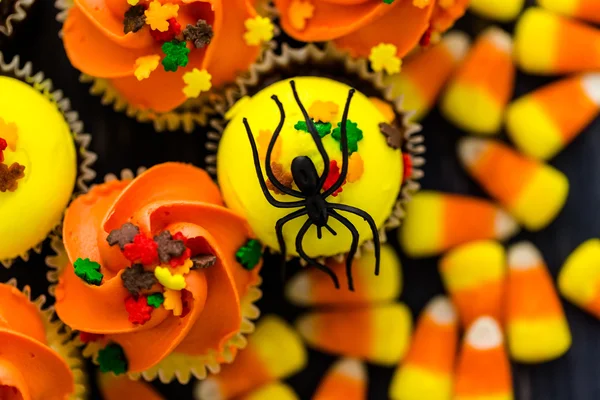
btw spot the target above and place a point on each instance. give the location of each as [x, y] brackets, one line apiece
[144, 66]
[258, 30]
[158, 15]
[196, 82]
[183, 269]
[323, 111]
[383, 57]
[421, 3]
[133, 2]
[356, 167]
[173, 282]
[173, 301]
[299, 12]
[10, 133]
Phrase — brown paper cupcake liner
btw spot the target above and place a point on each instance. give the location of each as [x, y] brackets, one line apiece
[177, 365]
[85, 158]
[19, 13]
[335, 64]
[60, 339]
[192, 113]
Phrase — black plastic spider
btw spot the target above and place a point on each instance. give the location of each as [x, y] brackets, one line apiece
[313, 203]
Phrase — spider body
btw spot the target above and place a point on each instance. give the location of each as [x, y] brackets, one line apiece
[313, 202]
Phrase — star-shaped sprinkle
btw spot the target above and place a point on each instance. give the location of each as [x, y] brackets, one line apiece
[168, 280]
[168, 247]
[9, 176]
[112, 359]
[323, 111]
[156, 299]
[249, 254]
[143, 249]
[158, 15]
[299, 13]
[408, 166]
[196, 82]
[258, 30]
[135, 19]
[173, 302]
[135, 279]
[122, 236]
[282, 176]
[353, 133]
[383, 57]
[356, 168]
[203, 261]
[200, 34]
[88, 270]
[323, 129]
[263, 140]
[171, 33]
[176, 55]
[388, 1]
[138, 309]
[10, 133]
[332, 177]
[393, 135]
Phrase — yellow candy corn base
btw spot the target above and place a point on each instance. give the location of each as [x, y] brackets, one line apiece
[499, 10]
[538, 341]
[472, 109]
[579, 278]
[414, 383]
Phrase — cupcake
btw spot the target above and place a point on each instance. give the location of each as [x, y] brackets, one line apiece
[158, 60]
[12, 12]
[315, 164]
[38, 360]
[157, 275]
[41, 146]
[360, 26]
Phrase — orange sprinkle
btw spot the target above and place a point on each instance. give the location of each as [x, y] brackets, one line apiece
[323, 111]
[299, 12]
[10, 133]
[356, 167]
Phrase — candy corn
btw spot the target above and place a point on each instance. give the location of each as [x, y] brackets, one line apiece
[346, 380]
[584, 9]
[122, 388]
[378, 334]
[534, 193]
[477, 95]
[543, 122]
[312, 287]
[436, 222]
[427, 371]
[579, 278]
[475, 276]
[499, 10]
[483, 371]
[425, 73]
[548, 44]
[274, 351]
[272, 391]
[536, 327]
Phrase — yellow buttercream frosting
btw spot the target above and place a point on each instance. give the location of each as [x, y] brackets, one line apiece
[44, 145]
[373, 182]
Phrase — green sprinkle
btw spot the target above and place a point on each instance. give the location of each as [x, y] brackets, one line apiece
[176, 55]
[249, 254]
[112, 359]
[155, 299]
[323, 128]
[89, 271]
[388, 1]
[354, 135]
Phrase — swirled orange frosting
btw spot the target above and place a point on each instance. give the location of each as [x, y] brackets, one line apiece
[359, 25]
[29, 369]
[96, 44]
[172, 197]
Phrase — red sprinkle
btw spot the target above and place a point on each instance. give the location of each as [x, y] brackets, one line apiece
[87, 337]
[139, 310]
[177, 261]
[179, 236]
[332, 177]
[167, 36]
[143, 249]
[186, 302]
[426, 38]
[3, 146]
[408, 168]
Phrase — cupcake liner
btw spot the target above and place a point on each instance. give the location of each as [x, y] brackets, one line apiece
[333, 63]
[175, 366]
[85, 158]
[20, 13]
[60, 339]
[192, 113]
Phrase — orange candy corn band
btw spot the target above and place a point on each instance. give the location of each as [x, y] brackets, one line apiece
[160, 199]
[122, 388]
[463, 215]
[346, 379]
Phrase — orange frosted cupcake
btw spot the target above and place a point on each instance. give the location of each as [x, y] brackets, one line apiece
[152, 56]
[157, 275]
[37, 359]
[360, 25]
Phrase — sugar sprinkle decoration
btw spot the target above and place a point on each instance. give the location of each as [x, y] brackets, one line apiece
[173, 302]
[176, 55]
[383, 57]
[138, 309]
[392, 134]
[88, 270]
[122, 236]
[168, 280]
[323, 111]
[9, 176]
[299, 13]
[196, 82]
[135, 279]
[249, 254]
[354, 134]
[203, 261]
[258, 30]
[135, 19]
[283, 176]
[168, 247]
[112, 359]
[155, 299]
[143, 249]
[158, 15]
[200, 34]
[332, 177]
[323, 128]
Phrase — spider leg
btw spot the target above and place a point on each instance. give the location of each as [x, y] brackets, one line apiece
[319, 232]
[310, 260]
[353, 247]
[372, 225]
[269, 171]
[330, 229]
[261, 179]
[279, 231]
[345, 155]
[315, 135]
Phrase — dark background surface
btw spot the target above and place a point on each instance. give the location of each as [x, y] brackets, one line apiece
[121, 142]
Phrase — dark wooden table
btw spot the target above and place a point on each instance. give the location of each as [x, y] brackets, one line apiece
[121, 142]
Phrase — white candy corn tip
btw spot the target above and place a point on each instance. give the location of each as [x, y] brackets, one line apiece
[208, 389]
[591, 86]
[457, 43]
[524, 255]
[306, 326]
[499, 38]
[297, 291]
[505, 225]
[351, 368]
[470, 149]
[484, 334]
[441, 310]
